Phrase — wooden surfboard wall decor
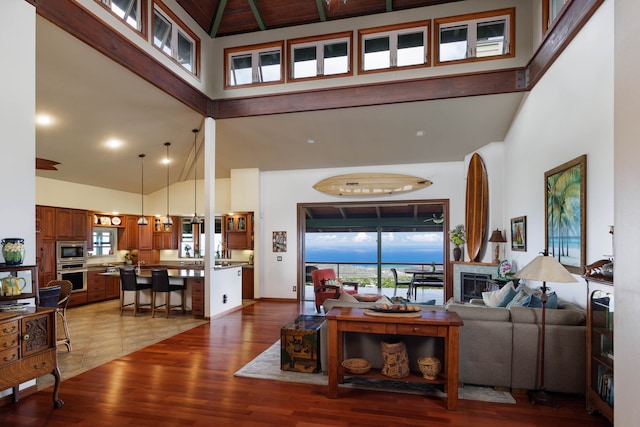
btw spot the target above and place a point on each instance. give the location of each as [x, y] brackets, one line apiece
[370, 184]
[477, 207]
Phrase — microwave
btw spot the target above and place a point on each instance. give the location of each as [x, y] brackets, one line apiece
[75, 252]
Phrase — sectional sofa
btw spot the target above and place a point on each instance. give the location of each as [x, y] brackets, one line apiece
[498, 346]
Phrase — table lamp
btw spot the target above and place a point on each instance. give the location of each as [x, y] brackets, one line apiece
[496, 238]
[544, 269]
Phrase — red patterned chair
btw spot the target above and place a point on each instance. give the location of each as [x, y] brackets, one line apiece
[323, 290]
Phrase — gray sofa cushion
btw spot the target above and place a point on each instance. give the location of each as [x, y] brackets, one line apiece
[478, 312]
[567, 314]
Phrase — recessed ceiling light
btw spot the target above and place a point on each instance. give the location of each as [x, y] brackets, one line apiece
[114, 143]
[43, 119]
[420, 133]
[311, 141]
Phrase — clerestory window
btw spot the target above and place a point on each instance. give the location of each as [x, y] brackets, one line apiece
[326, 56]
[396, 46]
[488, 35]
[254, 65]
[129, 11]
[174, 39]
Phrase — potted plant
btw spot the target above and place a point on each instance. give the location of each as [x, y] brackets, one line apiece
[457, 237]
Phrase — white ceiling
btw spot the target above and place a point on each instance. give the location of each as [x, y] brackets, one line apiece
[92, 99]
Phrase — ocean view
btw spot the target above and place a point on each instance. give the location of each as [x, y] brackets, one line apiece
[351, 247]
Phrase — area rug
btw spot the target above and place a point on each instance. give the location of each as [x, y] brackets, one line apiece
[267, 366]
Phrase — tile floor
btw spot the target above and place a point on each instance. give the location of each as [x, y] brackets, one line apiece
[99, 334]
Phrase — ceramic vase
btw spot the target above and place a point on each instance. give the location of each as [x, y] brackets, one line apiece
[457, 253]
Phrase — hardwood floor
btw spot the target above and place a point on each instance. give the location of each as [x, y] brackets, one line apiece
[187, 380]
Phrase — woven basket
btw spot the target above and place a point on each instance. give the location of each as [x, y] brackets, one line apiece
[430, 367]
[396, 361]
[356, 366]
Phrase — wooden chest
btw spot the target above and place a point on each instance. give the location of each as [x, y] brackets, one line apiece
[300, 344]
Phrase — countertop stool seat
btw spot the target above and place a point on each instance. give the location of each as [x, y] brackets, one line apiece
[160, 284]
[129, 283]
[61, 307]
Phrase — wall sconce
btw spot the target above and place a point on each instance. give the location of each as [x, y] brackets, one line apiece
[496, 238]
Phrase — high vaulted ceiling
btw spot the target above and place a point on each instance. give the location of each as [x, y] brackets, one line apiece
[95, 98]
[227, 17]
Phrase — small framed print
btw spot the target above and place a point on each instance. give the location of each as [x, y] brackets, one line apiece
[519, 234]
[279, 241]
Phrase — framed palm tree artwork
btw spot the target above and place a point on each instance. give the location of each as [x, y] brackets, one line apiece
[565, 219]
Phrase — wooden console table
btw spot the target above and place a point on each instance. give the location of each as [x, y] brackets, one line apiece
[28, 349]
[441, 324]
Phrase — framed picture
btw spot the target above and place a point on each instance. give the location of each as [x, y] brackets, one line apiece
[279, 241]
[519, 234]
[565, 213]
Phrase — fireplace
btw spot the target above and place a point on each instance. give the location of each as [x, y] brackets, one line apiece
[470, 279]
[473, 285]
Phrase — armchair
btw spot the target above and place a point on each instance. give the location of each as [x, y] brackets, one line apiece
[322, 290]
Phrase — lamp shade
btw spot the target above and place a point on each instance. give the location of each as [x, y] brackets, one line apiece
[546, 269]
[496, 237]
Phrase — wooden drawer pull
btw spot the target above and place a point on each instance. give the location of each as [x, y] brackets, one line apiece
[40, 366]
[13, 357]
[9, 331]
[9, 345]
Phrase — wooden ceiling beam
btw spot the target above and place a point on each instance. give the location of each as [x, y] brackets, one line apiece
[218, 19]
[320, 5]
[256, 14]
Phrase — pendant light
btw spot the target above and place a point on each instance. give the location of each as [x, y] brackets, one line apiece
[195, 219]
[167, 219]
[142, 220]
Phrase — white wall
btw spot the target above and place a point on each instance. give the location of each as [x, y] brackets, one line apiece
[567, 114]
[627, 206]
[283, 190]
[17, 118]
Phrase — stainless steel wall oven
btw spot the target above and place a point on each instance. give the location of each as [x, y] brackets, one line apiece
[71, 264]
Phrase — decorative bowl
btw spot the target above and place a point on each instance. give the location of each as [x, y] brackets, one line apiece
[430, 367]
[356, 366]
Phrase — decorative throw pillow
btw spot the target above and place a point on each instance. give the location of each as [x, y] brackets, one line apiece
[522, 298]
[506, 299]
[536, 302]
[552, 301]
[346, 297]
[493, 298]
[384, 300]
[528, 290]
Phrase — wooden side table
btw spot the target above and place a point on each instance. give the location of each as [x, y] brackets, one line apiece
[440, 324]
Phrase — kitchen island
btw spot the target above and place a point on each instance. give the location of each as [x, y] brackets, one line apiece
[191, 279]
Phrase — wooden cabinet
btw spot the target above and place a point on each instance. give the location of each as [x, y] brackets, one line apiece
[238, 231]
[25, 277]
[112, 287]
[100, 287]
[145, 236]
[128, 235]
[95, 286]
[600, 309]
[166, 236]
[196, 284]
[28, 349]
[47, 221]
[71, 224]
[247, 282]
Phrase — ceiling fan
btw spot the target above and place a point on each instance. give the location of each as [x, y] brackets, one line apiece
[436, 219]
[47, 165]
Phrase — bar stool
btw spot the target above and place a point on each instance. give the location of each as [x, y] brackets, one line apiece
[129, 283]
[160, 284]
[61, 307]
